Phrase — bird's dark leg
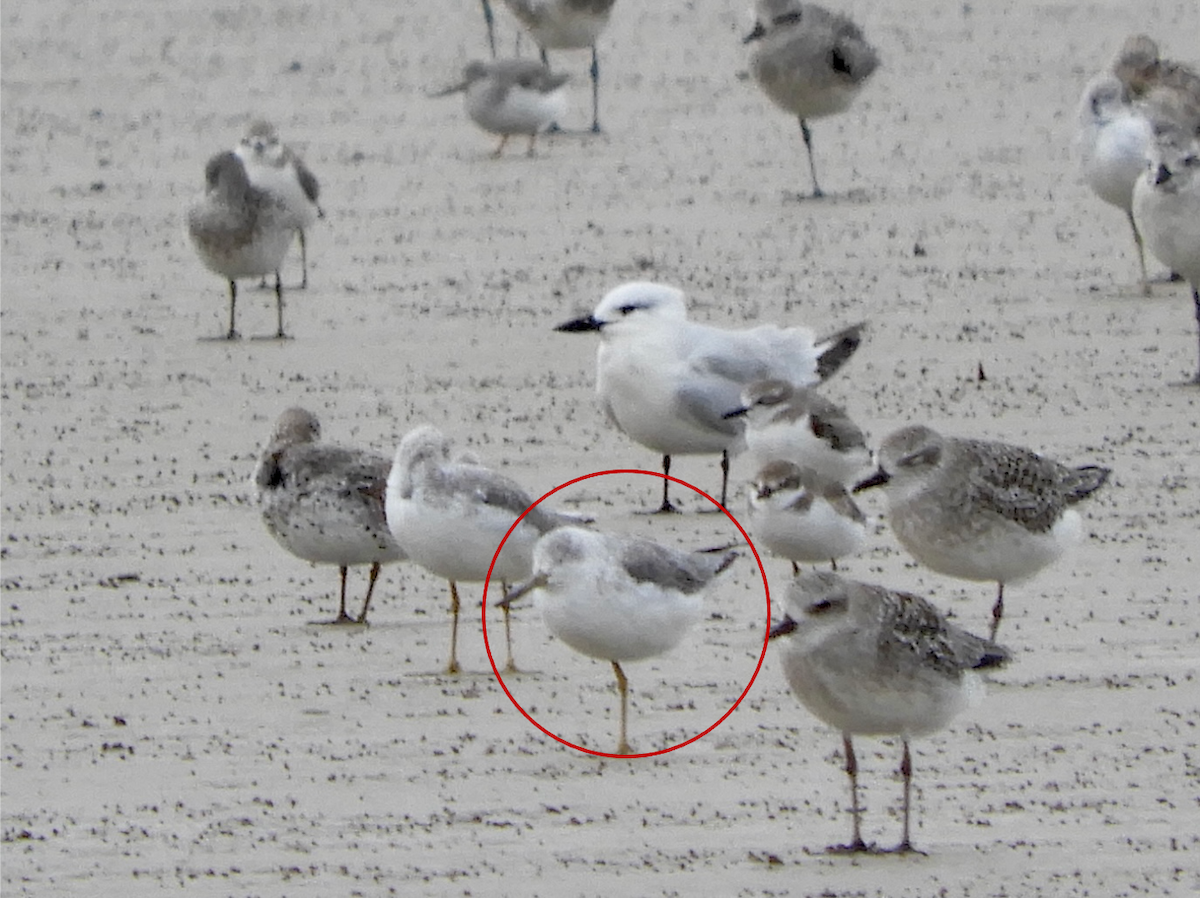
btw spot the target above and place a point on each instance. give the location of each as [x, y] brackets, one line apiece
[997, 612]
[906, 771]
[373, 576]
[232, 333]
[724, 474]
[595, 91]
[343, 617]
[279, 334]
[1196, 307]
[303, 259]
[490, 21]
[666, 507]
[856, 841]
[453, 667]
[806, 133]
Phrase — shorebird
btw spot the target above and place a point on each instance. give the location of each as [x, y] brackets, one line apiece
[980, 510]
[239, 231]
[667, 382]
[870, 661]
[618, 598]
[511, 96]
[785, 422]
[1113, 138]
[450, 516]
[809, 62]
[275, 168]
[802, 517]
[324, 503]
[1168, 88]
[561, 25]
[1166, 207]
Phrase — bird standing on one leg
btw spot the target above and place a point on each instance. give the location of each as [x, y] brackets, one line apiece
[809, 62]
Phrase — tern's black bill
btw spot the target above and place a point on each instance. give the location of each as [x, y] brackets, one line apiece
[579, 325]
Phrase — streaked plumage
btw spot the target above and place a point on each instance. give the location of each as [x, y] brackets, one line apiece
[325, 503]
[876, 662]
[980, 510]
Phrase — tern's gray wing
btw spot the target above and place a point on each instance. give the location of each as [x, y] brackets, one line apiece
[687, 572]
[706, 402]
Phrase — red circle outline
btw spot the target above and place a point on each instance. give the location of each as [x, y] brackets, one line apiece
[766, 634]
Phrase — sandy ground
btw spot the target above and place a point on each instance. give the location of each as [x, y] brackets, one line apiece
[174, 721]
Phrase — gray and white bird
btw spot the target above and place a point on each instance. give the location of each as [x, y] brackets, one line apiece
[1166, 207]
[980, 510]
[810, 62]
[667, 382]
[451, 515]
[511, 97]
[786, 422]
[561, 25]
[276, 168]
[1112, 140]
[325, 503]
[618, 598]
[802, 517]
[871, 661]
[240, 231]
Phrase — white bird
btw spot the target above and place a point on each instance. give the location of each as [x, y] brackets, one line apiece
[325, 503]
[511, 96]
[809, 62]
[450, 516]
[1166, 207]
[561, 25]
[667, 382]
[785, 422]
[239, 231]
[803, 518]
[618, 598]
[276, 168]
[1113, 138]
[871, 661]
[980, 510]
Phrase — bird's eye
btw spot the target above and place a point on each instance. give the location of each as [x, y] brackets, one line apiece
[625, 310]
[821, 606]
